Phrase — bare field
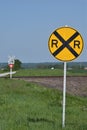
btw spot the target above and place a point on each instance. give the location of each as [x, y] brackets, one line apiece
[75, 85]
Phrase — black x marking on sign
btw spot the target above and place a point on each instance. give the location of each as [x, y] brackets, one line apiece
[66, 44]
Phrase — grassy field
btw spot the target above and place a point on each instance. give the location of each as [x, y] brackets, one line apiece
[39, 72]
[49, 72]
[27, 106]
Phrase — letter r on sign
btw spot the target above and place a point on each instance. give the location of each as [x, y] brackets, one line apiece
[76, 43]
[54, 43]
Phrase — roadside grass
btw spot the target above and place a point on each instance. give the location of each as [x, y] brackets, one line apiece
[39, 72]
[50, 72]
[77, 72]
[28, 106]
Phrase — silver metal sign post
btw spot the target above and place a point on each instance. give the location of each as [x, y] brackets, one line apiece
[11, 62]
[64, 96]
[10, 73]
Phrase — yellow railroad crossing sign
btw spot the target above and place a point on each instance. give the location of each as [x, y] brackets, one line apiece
[65, 44]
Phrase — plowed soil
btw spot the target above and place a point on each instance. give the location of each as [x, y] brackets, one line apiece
[74, 85]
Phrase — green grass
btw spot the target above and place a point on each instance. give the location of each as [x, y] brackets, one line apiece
[39, 72]
[27, 106]
[49, 72]
[77, 72]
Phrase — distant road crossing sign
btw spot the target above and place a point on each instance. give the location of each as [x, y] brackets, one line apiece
[65, 44]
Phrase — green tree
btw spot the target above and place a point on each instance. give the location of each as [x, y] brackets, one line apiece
[17, 64]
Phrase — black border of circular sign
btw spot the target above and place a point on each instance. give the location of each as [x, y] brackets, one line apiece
[72, 29]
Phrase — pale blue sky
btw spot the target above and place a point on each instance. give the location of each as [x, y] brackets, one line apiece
[25, 27]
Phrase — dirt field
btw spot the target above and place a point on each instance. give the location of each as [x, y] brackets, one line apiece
[75, 85]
